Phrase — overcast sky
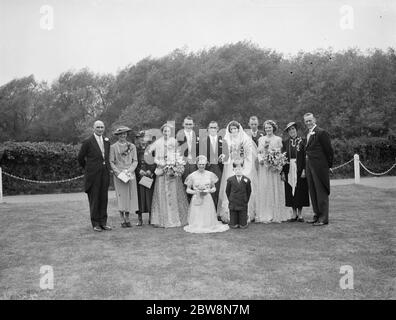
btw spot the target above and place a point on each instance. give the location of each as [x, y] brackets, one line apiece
[107, 35]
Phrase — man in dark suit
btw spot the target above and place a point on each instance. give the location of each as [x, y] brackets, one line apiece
[254, 133]
[238, 191]
[189, 143]
[94, 158]
[214, 153]
[319, 160]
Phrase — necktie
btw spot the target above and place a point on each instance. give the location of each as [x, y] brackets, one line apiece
[101, 146]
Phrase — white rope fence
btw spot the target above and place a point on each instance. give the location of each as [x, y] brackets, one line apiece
[355, 159]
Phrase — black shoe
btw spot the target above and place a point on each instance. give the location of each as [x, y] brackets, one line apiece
[123, 224]
[316, 224]
[128, 224]
[300, 220]
[106, 227]
[311, 221]
[292, 220]
[98, 229]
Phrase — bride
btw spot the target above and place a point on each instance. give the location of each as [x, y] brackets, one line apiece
[240, 146]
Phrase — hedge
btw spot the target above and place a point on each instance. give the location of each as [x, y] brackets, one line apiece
[45, 161]
[50, 161]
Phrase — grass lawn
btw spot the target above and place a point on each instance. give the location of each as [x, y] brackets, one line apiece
[275, 261]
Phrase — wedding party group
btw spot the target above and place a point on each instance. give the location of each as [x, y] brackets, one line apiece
[209, 185]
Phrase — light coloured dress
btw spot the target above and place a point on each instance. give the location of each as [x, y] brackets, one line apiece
[235, 144]
[124, 156]
[202, 217]
[271, 193]
[170, 206]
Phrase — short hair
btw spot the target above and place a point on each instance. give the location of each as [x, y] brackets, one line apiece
[211, 122]
[253, 118]
[233, 124]
[237, 162]
[188, 118]
[308, 114]
[202, 157]
[272, 123]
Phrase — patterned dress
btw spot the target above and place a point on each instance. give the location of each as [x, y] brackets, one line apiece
[170, 205]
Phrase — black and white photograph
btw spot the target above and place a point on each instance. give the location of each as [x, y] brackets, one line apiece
[221, 152]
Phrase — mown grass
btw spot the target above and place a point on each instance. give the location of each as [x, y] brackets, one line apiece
[275, 261]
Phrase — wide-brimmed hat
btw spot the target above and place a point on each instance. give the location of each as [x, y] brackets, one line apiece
[122, 129]
[291, 124]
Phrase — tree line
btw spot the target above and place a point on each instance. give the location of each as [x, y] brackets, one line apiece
[352, 93]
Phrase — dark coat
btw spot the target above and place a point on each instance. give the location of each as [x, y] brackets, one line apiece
[301, 194]
[257, 137]
[91, 159]
[182, 141]
[238, 193]
[320, 154]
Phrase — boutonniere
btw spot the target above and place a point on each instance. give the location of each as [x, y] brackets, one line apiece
[312, 133]
[106, 139]
[244, 179]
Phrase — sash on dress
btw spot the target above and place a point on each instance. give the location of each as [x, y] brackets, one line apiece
[292, 176]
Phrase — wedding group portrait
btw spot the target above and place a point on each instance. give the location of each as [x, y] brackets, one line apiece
[197, 150]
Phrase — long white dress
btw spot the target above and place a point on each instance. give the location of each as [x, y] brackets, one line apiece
[270, 193]
[234, 144]
[202, 217]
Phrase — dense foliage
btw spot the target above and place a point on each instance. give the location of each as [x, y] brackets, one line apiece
[352, 94]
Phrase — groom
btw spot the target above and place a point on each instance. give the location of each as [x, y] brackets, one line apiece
[94, 158]
[319, 160]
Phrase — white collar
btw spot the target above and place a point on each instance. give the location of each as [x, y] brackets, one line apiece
[98, 137]
[312, 128]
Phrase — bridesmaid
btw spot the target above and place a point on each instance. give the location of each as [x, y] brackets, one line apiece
[293, 174]
[271, 192]
[170, 205]
[123, 158]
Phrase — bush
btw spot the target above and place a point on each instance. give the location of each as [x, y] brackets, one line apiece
[45, 161]
[51, 161]
[376, 153]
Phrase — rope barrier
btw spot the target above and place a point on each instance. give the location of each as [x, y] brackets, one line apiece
[344, 164]
[40, 181]
[377, 174]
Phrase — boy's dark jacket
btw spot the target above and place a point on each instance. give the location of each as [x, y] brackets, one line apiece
[238, 193]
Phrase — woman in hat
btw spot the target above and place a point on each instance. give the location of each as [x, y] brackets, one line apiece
[293, 174]
[144, 169]
[123, 161]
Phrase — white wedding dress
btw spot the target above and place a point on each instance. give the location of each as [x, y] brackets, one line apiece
[234, 143]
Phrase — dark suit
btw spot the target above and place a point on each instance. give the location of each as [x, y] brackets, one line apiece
[238, 194]
[259, 134]
[182, 141]
[97, 178]
[319, 158]
[213, 164]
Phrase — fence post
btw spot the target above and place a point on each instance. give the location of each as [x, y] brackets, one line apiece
[356, 163]
[1, 186]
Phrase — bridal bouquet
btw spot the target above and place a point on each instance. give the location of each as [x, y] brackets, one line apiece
[173, 166]
[274, 159]
[202, 189]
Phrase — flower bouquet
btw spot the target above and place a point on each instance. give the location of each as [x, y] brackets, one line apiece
[274, 159]
[202, 189]
[174, 166]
